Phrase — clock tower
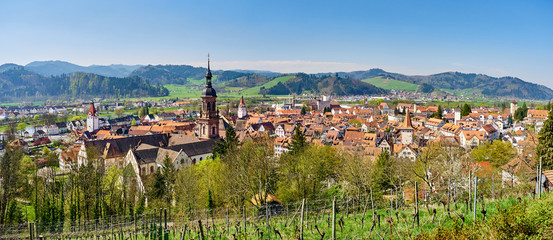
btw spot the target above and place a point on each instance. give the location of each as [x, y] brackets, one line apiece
[208, 123]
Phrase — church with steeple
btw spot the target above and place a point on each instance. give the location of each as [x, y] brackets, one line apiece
[92, 119]
[242, 110]
[406, 130]
[208, 123]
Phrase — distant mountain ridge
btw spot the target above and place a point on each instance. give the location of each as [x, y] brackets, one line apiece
[226, 80]
[17, 83]
[338, 83]
[323, 84]
[55, 68]
[511, 87]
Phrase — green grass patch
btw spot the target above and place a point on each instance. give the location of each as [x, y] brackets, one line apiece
[391, 84]
[254, 91]
[182, 91]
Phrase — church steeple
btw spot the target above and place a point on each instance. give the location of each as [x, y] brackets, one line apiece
[208, 75]
[208, 90]
[208, 123]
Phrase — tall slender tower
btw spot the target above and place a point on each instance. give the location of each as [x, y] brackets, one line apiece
[407, 129]
[209, 118]
[242, 110]
[92, 120]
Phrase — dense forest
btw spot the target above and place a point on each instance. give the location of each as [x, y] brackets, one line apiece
[486, 85]
[330, 85]
[19, 83]
[182, 74]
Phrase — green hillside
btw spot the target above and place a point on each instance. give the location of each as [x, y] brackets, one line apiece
[391, 84]
[181, 91]
[274, 82]
[20, 84]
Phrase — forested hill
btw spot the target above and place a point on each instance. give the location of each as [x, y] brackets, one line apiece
[55, 68]
[39, 79]
[328, 85]
[486, 85]
[182, 74]
[477, 83]
[17, 83]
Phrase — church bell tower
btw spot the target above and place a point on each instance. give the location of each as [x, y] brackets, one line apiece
[208, 122]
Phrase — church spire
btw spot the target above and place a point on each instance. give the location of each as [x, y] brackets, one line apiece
[208, 74]
[407, 122]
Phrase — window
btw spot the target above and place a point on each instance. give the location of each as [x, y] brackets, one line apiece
[151, 169]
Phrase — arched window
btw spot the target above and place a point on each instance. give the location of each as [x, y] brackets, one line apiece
[213, 130]
[151, 169]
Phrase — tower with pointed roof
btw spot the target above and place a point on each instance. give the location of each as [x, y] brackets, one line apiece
[514, 107]
[92, 119]
[406, 130]
[242, 110]
[208, 123]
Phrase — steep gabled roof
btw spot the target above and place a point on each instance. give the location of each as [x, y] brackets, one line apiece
[242, 101]
[195, 148]
[407, 125]
[92, 110]
[120, 146]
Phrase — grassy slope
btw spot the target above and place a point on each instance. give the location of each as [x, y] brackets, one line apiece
[254, 91]
[391, 84]
[181, 91]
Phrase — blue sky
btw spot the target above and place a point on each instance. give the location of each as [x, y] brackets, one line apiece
[499, 38]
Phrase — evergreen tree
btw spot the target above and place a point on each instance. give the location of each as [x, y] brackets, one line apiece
[439, 114]
[466, 110]
[230, 142]
[169, 175]
[14, 214]
[545, 142]
[383, 173]
[141, 205]
[158, 189]
[298, 141]
[210, 205]
[303, 110]
[521, 112]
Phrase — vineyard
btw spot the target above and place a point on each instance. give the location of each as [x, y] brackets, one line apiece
[337, 218]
